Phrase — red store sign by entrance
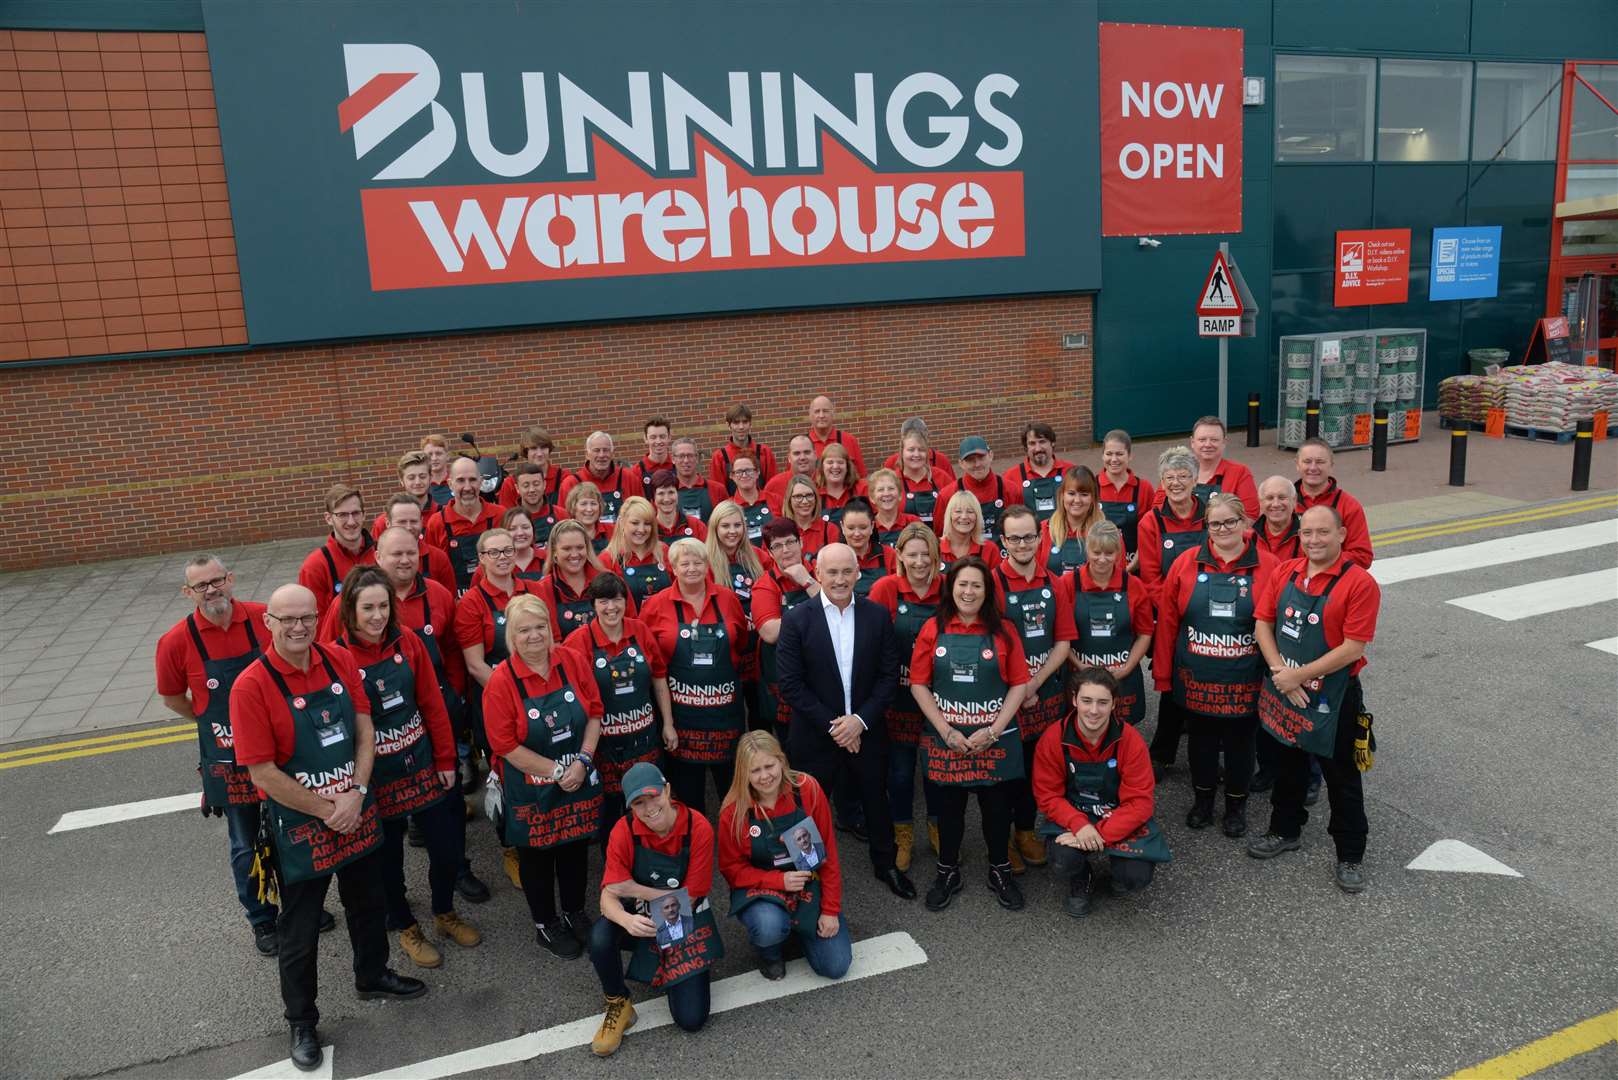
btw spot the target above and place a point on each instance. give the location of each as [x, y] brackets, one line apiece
[1171, 130]
[1373, 267]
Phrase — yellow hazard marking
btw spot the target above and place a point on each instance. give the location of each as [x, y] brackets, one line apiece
[1553, 1049]
[1608, 501]
[102, 744]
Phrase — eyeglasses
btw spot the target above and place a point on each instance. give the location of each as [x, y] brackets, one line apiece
[1024, 538]
[500, 553]
[294, 620]
[1225, 523]
[785, 545]
[209, 585]
[803, 495]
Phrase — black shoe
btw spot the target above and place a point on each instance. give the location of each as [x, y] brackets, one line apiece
[772, 967]
[1235, 823]
[264, 940]
[897, 882]
[578, 924]
[413, 834]
[1270, 845]
[945, 886]
[559, 941]
[1263, 780]
[328, 922]
[792, 947]
[1312, 794]
[306, 1052]
[1077, 903]
[392, 985]
[1350, 877]
[1201, 814]
[857, 828]
[1005, 887]
[470, 886]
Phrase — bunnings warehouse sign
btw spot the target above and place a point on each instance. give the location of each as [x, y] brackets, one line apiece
[416, 166]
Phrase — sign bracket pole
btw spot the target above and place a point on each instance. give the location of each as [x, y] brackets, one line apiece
[1224, 355]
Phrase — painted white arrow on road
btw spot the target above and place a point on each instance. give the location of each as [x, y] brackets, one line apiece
[107, 815]
[1452, 856]
[285, 1070]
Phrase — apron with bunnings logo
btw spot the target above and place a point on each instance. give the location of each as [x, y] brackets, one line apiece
[224, 783]
[767, 850]
[692, 954]
[644, 580]
[1106, 636]
[969, 691]
[538, 813]
[905, 721]
[402, 776]
[463, 550]
[1032, 610]
[705, 689]
[1217, 667]
[428, 633]
[757, 516]
[1092, 787]
[629, 730]
[770, 703]
[323, 761]
[1176, 544]
[1039, 492]
[1125, 513]
[1300, 638]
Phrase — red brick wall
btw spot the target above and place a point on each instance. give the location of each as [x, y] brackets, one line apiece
[171, 453]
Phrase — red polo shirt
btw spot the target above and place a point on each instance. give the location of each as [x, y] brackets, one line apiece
[467, 530]
[986, 550]
[666, 611]
[1233, 477]
[1142, 618]
[1357, 544]
[430, 604]
[619, 478]
[775, 490]
[1024, 470]
[1284, 547]
[553, 489]
[1135, 490]
[1136, 788]
[428, 699]
[735, 851]
[1008, 654]
[316, 572]
[590, 637]
[684, 525]
[621, 850]
[261, 719]
[896, 587]
[719, 465]
[991, 488]
[474, 623]
[1176, 594]
[179, 668]
[767, 595]
[1350, 611]
[935, 460]
[504, 716]
[850, 443]
[1151, 540]
[1061, 587]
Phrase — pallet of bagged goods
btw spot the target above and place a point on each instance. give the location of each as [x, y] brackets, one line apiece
[1470, 397]
[1555, 396]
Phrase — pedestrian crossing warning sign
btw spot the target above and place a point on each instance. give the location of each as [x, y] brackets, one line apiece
[1220, 295]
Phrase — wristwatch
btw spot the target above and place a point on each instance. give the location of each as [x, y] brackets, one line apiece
[556, 773]
[362, 789]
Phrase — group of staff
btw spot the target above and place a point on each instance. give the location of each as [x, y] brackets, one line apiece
[609, 639]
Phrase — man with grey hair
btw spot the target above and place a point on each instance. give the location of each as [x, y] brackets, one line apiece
[615, 481]
[1277, 526]
[198, 661]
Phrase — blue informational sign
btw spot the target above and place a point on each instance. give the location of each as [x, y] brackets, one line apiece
[1466, 263]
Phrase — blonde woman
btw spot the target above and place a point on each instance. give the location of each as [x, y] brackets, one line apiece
[962, 521]
[888, 517]
[583, 505]
[634, 553]
[569, 565]
[800, 504]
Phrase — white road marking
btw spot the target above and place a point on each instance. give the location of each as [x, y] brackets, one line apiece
[1543, 597]
[285, 1070]
[1452, 856]
[1607, 645]
[874, 956]
[129, 811]
[1507, 549]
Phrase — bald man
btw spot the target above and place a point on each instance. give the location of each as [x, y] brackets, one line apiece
[302, 727]
[837, 664]
[823, 430]
[455, 529]
[1277, 524]
[801, 461]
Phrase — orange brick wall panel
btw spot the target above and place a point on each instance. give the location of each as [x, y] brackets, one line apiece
[112, 197]
[169, 454]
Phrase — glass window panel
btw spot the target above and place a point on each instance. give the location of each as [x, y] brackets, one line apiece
[1323, 108]
[1595, 127]
[1517, 109]
[1422, 114]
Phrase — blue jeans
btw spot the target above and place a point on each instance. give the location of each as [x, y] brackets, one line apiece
[902, 784]
[769, 924]
[688, 999]
[242, 824]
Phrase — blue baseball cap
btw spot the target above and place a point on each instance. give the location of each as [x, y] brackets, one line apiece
[643, 778]
[973, 444]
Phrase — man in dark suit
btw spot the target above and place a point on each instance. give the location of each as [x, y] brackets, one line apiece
[837, 663]
[671, 925]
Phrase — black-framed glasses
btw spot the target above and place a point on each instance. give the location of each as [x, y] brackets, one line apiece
[209, 585]
[1022, 538]
[500, 553]
[1224, 523]
[295, 620]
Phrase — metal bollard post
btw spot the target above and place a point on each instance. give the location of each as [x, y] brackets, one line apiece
[1583, 440]
[1379, 439]
[1311, 418]
[1457, 458]
[1252, 418]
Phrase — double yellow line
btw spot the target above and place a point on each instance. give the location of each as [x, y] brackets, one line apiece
[102, 744]
[1606, 501]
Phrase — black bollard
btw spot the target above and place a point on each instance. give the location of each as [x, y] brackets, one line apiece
[1379, 439]
[1583, 440]
[1311, 419]
[1457, 458]
[1252, 419]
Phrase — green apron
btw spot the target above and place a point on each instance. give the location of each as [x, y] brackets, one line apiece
[402, 775]
[1032, 610]
[905, 721]
[1300, 638]
[1212, 487]
[1125, 513]
[612, 498]
[922, 502]
[1039, 492]
[1217, 667]
[428, 634]
[543, 524]
[463, 549]
[499, 651]
[1066, 557]
[767, 850]
[757, 516]
[834, 514]
[538, 813]
[1175, 544]
[323, 761]
[573, 610]
[887, 539]
[770, 703]
[1106, 636]
[629, 730]
[645, 581]
[705, 689]
[991, 510]
[685, 958]
[1092, 787]
[224, 783]
[969, 691]
[873, 569]
[696, 502]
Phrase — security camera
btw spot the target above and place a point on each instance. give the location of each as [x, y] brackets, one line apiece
[1148, 242]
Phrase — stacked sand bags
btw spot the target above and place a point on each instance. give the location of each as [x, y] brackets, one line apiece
[1469, 398]
[1556, 396]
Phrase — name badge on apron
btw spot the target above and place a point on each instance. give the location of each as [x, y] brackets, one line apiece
[1044, 504]
[331, 734]
[1221, 609]
[963, 673]
[702, 653]
[394, 700]
[1101, 627]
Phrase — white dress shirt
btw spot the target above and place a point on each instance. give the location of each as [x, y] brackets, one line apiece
[840, 625]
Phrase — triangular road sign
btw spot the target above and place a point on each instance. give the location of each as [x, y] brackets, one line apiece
[1220, 294]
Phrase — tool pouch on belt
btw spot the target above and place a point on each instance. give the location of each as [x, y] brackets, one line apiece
[264, 872]
[1365, 743]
